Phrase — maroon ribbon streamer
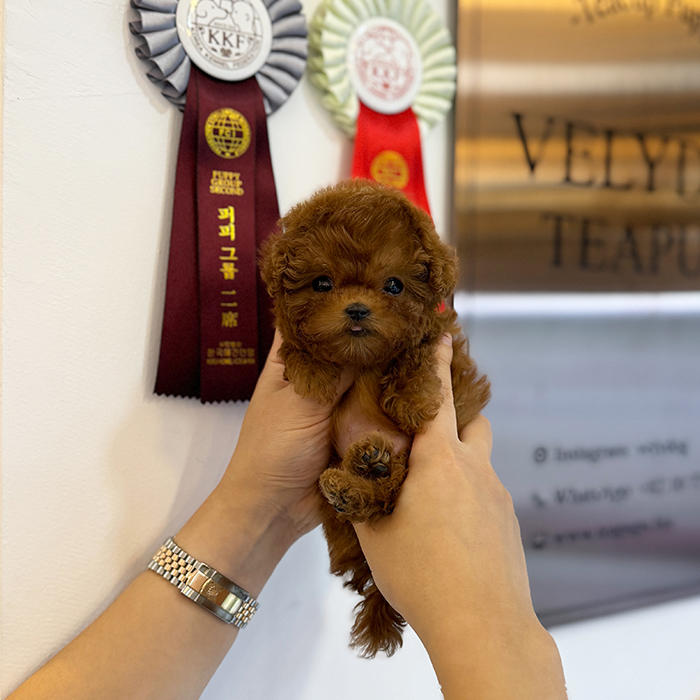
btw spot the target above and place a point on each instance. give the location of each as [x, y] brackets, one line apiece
[218, 323]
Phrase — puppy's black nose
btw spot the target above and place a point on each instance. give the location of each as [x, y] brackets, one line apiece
[357, 312]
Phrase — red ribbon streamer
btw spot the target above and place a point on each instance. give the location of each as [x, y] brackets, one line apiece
[388, 150]
[218, 323]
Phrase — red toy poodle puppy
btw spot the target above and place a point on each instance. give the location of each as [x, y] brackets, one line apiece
[359, 277]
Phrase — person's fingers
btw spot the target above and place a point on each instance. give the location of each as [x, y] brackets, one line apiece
[347, 377]
[478, 435]
[274, 350]
[445, 423]
[369, 532]
[272, 376]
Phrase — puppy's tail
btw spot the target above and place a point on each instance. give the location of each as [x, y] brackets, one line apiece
[378, 627]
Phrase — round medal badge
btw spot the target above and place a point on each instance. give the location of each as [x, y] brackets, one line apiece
[228, 39]
[390, 54]
[227, 133]
[390, 168]
[384, 65]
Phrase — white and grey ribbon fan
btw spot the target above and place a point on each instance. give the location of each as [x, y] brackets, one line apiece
[170, 66]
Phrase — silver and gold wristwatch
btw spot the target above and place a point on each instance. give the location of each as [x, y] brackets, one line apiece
[204, 585]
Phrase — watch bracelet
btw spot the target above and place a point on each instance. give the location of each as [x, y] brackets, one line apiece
[204, 585]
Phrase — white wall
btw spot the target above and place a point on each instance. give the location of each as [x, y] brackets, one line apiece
[96, 471]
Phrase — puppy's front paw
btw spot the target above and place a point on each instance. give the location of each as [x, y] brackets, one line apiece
[412, 416]
[310, 377]
[411, 394]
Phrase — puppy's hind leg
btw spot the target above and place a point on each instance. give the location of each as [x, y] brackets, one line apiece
[366, 483]
[378, 627]
[346, 556]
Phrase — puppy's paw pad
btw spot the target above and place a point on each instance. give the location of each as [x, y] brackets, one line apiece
[371, 457]
[367, 456]
[377, 464]
[338, 502]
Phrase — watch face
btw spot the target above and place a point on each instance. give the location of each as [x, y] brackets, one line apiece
[384, 64]
[228, 39]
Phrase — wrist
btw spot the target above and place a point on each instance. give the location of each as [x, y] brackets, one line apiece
[516, 660]
[239, 534]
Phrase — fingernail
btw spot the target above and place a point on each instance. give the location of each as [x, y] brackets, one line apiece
[447, 338]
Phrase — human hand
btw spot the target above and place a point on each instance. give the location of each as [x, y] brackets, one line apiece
[453, 540]
[268, 496]
[450, 560]
[266, 499]
[284, 445]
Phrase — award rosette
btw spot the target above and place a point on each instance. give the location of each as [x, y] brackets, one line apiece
[229, 63]
[387, 73]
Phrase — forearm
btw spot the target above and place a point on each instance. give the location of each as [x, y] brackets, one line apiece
[485, 663]
[154, 643]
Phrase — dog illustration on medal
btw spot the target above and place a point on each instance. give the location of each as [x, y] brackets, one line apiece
[227, 29]
[359, 275]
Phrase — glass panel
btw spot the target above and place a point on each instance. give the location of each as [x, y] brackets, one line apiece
[596, 419]
[577, 169]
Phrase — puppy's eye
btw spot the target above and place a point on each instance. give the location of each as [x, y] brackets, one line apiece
[322, 284]
[393, 286]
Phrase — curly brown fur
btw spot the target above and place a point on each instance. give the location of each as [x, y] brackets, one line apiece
[358, 274]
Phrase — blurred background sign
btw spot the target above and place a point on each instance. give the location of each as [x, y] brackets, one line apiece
[578, 145]
[596, 420]
[577, 169]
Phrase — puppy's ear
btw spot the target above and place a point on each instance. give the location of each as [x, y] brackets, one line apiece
[273, 262]
[442, 270]
[439, 260]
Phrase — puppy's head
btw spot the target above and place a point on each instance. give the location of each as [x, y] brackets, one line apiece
[357, 272]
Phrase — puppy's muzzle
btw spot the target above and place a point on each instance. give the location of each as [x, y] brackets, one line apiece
[357, 312]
